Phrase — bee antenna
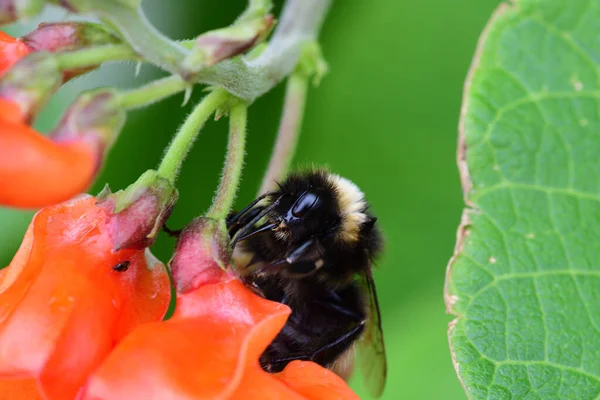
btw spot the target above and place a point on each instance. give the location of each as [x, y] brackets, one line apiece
[233, 220]
[254, 220]
[264, 228]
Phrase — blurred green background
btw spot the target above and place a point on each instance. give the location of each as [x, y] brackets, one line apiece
[386, 117]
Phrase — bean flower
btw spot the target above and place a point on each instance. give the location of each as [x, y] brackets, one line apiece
[68, 297]
[209, 348]
[38, 170]
[82, 304]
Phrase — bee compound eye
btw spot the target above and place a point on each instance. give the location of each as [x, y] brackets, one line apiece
[306, 202]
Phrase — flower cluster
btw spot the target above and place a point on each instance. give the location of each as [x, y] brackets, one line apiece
[83, 301]
[45, 170]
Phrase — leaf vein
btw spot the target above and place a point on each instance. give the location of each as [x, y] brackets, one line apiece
[529, 186]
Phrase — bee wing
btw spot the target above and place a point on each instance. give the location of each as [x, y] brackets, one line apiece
[372, 348]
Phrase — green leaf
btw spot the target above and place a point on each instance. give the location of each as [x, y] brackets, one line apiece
[525, 277]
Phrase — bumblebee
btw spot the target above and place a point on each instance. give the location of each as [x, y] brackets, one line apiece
[310, 244]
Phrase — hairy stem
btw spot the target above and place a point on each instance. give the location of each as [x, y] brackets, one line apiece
[256, 7]
[143, 37]
[289, 131]
[150, 93]
[234, 162]
[93, 56]
[245, 78]
[179, 147]
[300, 23]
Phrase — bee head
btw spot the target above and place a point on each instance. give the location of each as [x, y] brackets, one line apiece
[313, 218]
[306, 207]
[318, 204]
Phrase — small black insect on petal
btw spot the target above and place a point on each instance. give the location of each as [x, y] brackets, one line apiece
[122, 266]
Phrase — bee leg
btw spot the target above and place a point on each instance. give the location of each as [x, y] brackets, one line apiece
[349, 336]
[304, 259]
[341, 309]
[311, 250]
[250, 284]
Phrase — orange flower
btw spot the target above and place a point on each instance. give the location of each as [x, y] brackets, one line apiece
[11, 51]
[34, 170]
[210, 348]
[67, 298]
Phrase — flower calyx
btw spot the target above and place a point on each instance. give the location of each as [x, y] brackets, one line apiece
[202, 254]
[94, 116]
[215, 46]
[31, 82]
[137, 213]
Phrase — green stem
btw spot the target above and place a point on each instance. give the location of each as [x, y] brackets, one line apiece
[289, 131]
[150, 93]
[248, 79]
[145, 39]
[234, 162]
[94, 56]
[179, 147]
[256, 8]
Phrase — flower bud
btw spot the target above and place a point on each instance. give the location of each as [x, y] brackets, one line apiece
[218, 45]
[67, 36]
[35, 77]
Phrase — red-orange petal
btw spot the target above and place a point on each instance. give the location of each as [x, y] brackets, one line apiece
[19, 389]
[209, 349]
[35, 171]
[63, 307]
[315, 382]
[11, 51]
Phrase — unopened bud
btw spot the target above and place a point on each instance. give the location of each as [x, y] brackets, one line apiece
[218, 45]
[67, 36]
